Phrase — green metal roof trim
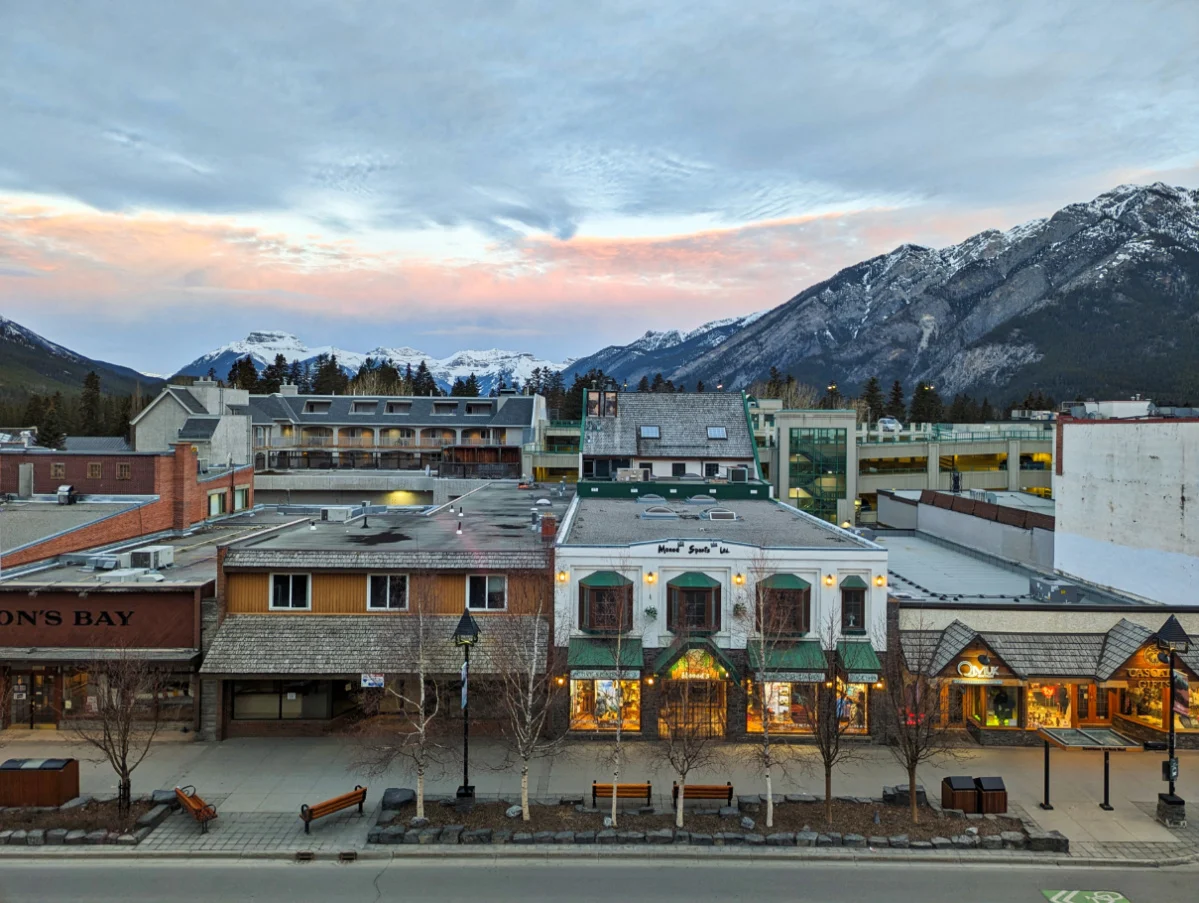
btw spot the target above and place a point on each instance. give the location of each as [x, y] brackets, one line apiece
[853, 581]
[858, 656]
[605, 578]
[805, 655]
[785, 581]
[753, 440]
[693, 580]
[672, 653]
[585, 652]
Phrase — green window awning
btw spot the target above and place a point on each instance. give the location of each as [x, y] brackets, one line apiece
[588, 653]
[784, 581]
[676, 650]
[601, 579]
[693, 580]
[859, 657]
[802, 656]
[853, 581]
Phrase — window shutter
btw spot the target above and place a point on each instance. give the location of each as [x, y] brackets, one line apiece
[714, 611]
[584, 621]
[627, 619]
[672, 605]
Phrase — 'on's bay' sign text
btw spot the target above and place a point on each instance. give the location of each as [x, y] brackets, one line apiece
[55, 618]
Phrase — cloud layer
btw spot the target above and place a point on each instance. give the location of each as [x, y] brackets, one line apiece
[440, 169]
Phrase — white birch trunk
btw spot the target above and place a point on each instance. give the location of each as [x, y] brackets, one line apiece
[615, 781]
[420, 793]
[769, 801]
[524, 792]
[678, 815]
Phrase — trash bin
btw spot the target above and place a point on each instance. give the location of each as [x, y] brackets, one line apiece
[38, 782]
[959, 792]
[992, 795]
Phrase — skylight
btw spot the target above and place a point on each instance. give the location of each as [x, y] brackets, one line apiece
[651, 432]
[718, 432]
[659, 511]
[720, 514]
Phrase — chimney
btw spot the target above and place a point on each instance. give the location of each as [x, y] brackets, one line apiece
[549, 527]
[289, 389]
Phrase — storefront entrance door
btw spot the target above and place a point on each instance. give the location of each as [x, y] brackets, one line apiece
[693, 705]
[34, 703]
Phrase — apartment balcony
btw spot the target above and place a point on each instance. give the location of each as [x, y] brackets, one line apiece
[366, 443]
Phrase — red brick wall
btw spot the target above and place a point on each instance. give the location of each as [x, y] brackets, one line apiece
[182, 501]
[141, 480]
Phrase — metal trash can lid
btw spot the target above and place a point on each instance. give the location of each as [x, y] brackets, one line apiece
[959, 782]
[54, 764]
[991, 783]
[12, 764]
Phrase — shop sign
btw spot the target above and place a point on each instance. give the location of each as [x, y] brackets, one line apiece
[18, 695]
[675, 549]
[55, 618]
[792, 677]
[601, 674]
[973, 671]
[861, 677]
[372, 681]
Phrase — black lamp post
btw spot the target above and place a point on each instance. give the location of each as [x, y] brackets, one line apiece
[1172, 639]
[466, 634]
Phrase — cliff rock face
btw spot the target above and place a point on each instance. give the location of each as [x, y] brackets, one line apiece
[1101, 298]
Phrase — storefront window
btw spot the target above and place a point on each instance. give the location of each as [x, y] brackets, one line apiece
[852, 701]
[604, 705]
[1144, 703]
[786, 707]
[1048, 705]
[998, 706]
[273, 700]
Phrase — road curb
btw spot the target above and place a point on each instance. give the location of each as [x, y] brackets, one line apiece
[531, 852]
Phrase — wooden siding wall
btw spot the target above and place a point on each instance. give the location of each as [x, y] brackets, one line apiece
[345, 593]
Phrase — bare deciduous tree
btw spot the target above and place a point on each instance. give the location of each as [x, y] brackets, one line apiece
[916, 732]
[403, 717]
[794, 395]
[772, 621]
[528, 687]
[830, 724]
[121, 717]
[688, 740]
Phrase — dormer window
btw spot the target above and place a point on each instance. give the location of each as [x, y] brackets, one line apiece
[445, 407]
[476, 408]
[650, 432]
[718, 432]
[363, 407]
[399, 407]
[317, 407]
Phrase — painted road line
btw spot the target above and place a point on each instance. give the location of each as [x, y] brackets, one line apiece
[1084, 896]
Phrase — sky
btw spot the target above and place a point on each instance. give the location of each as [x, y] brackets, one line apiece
[540, 176]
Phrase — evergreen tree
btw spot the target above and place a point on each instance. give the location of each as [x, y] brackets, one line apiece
[471, 387]
[643, 385]
[51, 431]
[244, 375]
[329, 379]
[895, 403]
[659, 384]
[295, 375]
[458, 388]
[668, 386]
[926, 405]
[872, 395]
[91, 414]
[273, 375]
[699, 386]
[423, 382]
[35, 411]
[986, 413]
[832, 399]
[212, 374]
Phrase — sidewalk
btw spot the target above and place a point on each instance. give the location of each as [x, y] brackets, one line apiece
[258, 786]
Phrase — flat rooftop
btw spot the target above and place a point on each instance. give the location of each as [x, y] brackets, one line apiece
[923, 568]
[1025, 501]
[496, 520]
[26, 522]
[195, 556]
[760, 522]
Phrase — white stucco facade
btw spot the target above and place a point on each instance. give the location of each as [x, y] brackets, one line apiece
[1127, 507]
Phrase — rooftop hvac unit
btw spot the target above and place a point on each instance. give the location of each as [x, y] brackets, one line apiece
[67, 495]
[1054, 590]
[339, 515]
[108, 562]
[153, 557]
[123, 575]
[630, 475]
[739, 474]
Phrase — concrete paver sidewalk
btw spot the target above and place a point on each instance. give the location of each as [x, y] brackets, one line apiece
[259, 785]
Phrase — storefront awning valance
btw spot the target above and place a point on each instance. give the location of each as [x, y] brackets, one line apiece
[676, 650]
[853, 581]
[82, 655]
[805, 655]
[588, 654]
[693, 580]
[859, 660]
[784, 581]
[605, 579]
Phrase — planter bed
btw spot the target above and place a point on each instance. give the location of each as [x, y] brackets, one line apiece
[81, 821]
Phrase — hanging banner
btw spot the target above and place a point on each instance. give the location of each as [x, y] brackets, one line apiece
[1182, 694]
[462, 675]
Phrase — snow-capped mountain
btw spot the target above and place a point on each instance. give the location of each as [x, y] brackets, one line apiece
[1102, 298]
[32, 363]
[262, 346]
[661, 352]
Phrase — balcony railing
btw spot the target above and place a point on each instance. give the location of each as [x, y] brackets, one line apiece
[367, 443]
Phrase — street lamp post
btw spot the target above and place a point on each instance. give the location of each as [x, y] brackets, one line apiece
[1171, 640]
[466, 634]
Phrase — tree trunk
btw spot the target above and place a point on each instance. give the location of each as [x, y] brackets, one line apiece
[912, 793]
[420, 793]
[524, 792]
[678, 814]
[828, 795]
[124, 796]
[615, 781]
[769, 801]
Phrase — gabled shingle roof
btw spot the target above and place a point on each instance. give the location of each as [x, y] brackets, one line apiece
[337, 645]
[190, 403]
[199, 427]
[96, 444]
[1120, 644]
[954, 638]
[1032, 655]
[682, 420]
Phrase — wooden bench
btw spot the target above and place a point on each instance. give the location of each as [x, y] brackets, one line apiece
[355, 797]
[191, 803]
[622, 792]
[704, 792]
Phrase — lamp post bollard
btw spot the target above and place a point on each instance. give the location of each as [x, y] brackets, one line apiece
[1044, 804]
[466, 635]
[1170, 753]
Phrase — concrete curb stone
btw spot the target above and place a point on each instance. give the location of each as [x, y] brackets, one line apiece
[74, 838]
[5, 837]
[584, 837]
[755, 840]
[564, 837]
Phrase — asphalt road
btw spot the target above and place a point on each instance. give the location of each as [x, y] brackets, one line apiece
[578, 881]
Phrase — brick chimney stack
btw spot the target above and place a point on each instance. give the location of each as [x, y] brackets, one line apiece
[549, 528]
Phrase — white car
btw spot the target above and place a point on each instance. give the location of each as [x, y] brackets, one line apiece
[889, 425]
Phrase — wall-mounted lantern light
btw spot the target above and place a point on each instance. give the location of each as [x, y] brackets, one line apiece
[650, 680]
[829, 579]
[738, 579]
[562, 576]
[650, 577]
[880, 580]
